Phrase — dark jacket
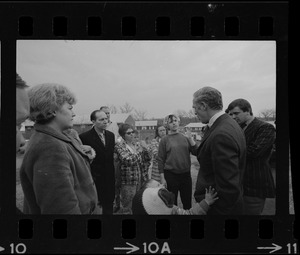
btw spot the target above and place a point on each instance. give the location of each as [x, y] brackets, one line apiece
[258, 179]
[222, 158]
[102, 166]
[55, 175]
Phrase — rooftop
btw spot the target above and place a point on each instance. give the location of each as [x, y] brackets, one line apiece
[195, 125]
[142, 123]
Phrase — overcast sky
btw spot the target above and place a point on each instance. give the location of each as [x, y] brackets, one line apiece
[159, 77]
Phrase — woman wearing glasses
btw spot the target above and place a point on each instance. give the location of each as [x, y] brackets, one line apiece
[134, 164]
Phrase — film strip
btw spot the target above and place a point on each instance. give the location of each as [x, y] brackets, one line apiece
[139, 21]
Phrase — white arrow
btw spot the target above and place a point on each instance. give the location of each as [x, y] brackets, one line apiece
[274, 248]
[1, 249]
[131, 249]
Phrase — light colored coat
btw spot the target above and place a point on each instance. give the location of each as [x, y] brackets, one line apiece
[55, 175]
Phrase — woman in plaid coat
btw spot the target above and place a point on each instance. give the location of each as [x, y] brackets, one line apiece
[134, 164]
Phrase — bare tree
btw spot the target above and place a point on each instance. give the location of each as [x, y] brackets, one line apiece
[126, 108]
[140, 114]
[113, 109]
[181, 113]
[268, 114]
[191, 114]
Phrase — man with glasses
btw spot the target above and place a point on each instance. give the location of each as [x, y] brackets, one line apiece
[221, 154]
[260, 137]
[102, 167]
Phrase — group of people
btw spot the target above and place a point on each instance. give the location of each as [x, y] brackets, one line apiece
[105, 170]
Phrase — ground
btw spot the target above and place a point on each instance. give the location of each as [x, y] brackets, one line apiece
[268, 210]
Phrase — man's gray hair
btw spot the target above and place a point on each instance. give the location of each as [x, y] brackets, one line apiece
[211, 96]
[46, 98]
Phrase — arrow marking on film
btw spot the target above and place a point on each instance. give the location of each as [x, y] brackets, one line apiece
[130, 249]
[274, 248]
[1, 249]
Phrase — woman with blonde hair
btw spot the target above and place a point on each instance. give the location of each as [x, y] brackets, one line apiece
[55, 173]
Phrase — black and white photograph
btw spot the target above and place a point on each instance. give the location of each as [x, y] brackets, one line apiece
[147, 127]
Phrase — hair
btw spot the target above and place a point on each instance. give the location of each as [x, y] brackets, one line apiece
[211, 96]
[243, 104]
[20, 83]
[168, 118]
[103, 107]
[156, 130]
[123, 128]
[93, 115]
[47, 98]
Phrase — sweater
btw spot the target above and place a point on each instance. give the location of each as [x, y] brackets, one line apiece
[174, 154]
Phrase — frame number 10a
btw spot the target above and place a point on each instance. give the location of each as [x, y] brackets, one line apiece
[152, 248]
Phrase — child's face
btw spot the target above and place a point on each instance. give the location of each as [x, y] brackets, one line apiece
[173, 124]
[154, 184]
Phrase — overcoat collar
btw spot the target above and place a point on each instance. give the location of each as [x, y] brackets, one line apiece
[215, 124]
[61, 136]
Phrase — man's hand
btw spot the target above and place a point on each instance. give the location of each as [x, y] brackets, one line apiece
[189, 136]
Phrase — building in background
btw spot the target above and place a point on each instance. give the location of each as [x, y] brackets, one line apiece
[146, 124]
[196, 129]
[146, 129]
[81, 123]
[123, 118]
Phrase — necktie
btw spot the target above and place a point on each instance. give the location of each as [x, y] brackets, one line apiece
[101, 135]
[206, 129]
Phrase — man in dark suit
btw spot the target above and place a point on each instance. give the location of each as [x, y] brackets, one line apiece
[102, 167]
[221, 154]
[260, 137]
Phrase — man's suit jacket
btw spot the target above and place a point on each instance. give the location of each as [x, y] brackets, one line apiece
[258, 180]
[222, 158]
[102, 166]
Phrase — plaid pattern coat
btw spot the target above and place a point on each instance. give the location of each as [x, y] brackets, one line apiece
[155, 175]
[258, 179]
[134, 167]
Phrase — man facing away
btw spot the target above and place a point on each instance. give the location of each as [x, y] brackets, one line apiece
[221, 154]
[260, 137]
[102, 167]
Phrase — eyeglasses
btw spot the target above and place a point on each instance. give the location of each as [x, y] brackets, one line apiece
[129, 133]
